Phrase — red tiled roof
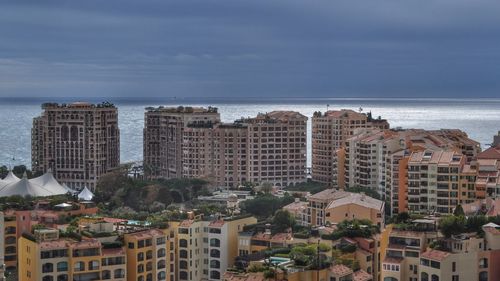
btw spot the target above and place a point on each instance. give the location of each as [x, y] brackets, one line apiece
[435, 255]
[361, 275]
[217, 223]
[490, 153]
[114, 220]
[113, 252]
[147, 233]
[340, 270]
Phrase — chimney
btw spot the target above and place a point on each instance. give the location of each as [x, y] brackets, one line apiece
[363, 196]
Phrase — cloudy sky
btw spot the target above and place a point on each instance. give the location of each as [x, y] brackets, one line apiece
[257, 48]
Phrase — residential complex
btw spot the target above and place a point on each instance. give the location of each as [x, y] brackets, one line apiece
[205, 249]
[330, 130]
[163, 135]
[78, 142]
[192, 142]
[334, 206]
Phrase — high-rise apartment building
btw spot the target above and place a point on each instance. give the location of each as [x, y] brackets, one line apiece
[163, 137]
[330, 131]
[79, 142]
[193, 143]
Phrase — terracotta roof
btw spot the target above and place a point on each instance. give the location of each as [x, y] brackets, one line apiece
[329, 195]
[490, 153]
[114, 220]
[55, 244]
[340, 270]
[361, 275]
[357, 199]
[217, 223]
[147, 233]
[435, 255]
[262, 236]
[186, 223]
[281, 237]
[87, 243]
[113, 252]
[296, 206]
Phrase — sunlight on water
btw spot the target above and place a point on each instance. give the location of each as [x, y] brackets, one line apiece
[479, 118]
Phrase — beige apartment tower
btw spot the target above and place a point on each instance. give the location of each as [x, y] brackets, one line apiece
[163, 137]
[330, 131]
[78, 142]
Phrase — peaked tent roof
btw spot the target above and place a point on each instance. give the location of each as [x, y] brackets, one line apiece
[10, 177]
[44, 185]
[86, 194]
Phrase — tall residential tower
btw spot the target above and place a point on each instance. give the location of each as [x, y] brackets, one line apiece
[78, 142]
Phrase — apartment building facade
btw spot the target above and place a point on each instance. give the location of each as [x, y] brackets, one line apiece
[270, 147]
[163, 137]
[48, 257]
[330, 130]
[206, 248]
[78, 142]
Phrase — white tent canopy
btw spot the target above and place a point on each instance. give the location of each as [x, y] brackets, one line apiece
[86, 194]
[45, 185]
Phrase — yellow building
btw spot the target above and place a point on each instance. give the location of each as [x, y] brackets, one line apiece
[148, 255]
[356, 206]
[46, 256]
[10, 243]
[205, 249]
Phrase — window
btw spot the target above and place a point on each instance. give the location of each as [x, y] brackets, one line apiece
[214, 253]
[162, 275]
[483, 263]
[483, 276]
[79, 266]
[160, 241]
[62, 277]
[454, 266]
[214, 274]
[183, 254]
[214, 264]
[424, 276]
[161, 253]
[149, 255]
[48, 278]
[161, 264]
[47, 267]
[140, 256]
[106, 274]
[183, 265]
[214, 242]
[62, 266]
[119, 273]
[183, 275]
[434, 277]
[93, 265]
[183, 243]
[455, 278]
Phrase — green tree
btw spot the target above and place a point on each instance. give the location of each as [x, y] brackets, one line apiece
[266, 188]
[459, 211]
[283, 220]
[452, 225]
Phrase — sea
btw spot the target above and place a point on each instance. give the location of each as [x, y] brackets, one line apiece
[479, 118]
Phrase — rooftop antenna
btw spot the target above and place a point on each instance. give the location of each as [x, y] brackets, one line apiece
[360, 109]
[327, 106]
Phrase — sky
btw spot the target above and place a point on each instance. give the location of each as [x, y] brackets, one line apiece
[257, 48]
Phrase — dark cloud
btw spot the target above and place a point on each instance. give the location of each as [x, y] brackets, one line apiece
[231, 48]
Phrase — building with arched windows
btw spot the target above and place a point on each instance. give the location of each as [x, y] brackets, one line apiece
[79, 142]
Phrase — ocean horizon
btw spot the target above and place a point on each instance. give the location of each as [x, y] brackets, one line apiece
[478, 117]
